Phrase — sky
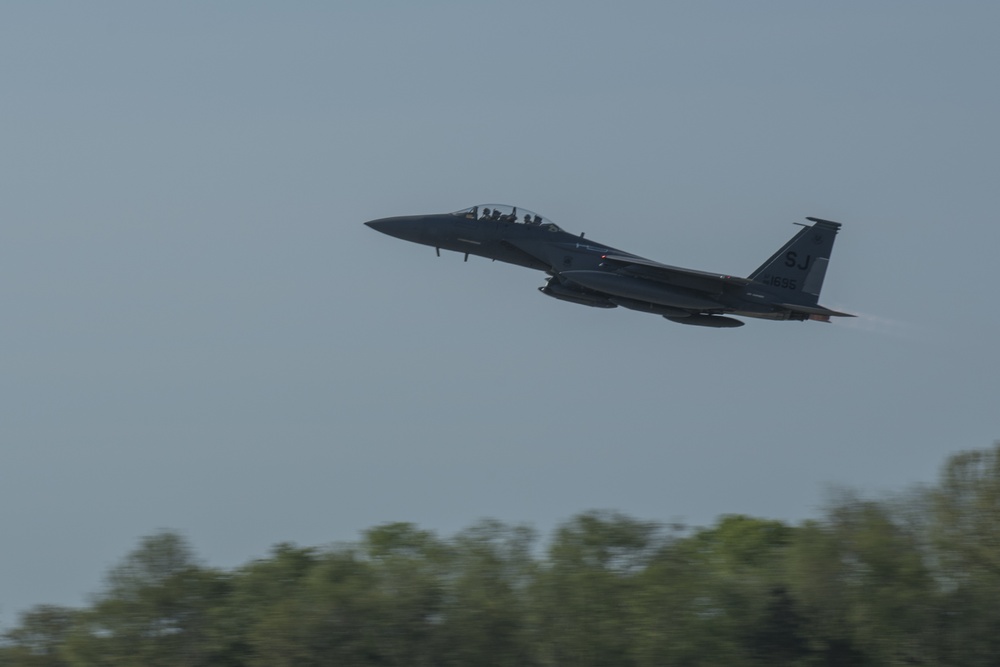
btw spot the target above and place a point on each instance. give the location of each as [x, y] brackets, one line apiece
[200, 335]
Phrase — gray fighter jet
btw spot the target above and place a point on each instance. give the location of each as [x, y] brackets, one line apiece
[785, 287]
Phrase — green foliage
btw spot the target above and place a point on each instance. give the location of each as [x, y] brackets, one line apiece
[909, 581]
[584, 596]
[39, 640]
[966, 508]
[720, 596]
[331, 615]
[965, 532]
[158, 609]
[486, 605]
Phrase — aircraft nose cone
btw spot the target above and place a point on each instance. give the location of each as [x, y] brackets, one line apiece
[380, 225]
[397, 227]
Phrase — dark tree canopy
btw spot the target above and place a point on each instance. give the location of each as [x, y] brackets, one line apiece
[912, 580]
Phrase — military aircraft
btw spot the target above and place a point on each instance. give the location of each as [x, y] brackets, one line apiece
[785, 287]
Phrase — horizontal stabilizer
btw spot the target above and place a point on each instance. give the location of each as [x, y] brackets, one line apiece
[714, 321]
[814, 310]
[830, 224]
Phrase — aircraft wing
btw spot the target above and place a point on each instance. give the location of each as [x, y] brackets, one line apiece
[527, 258]
[702, 281]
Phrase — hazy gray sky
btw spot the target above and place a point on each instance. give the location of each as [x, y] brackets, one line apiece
[199, 334]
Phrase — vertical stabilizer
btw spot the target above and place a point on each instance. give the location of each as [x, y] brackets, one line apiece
[798, 268]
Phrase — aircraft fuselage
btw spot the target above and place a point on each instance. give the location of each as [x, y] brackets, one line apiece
[589, 273]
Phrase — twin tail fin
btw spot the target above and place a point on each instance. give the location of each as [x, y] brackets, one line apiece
[797, 270]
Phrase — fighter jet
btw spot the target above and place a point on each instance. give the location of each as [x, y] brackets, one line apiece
[785, 287]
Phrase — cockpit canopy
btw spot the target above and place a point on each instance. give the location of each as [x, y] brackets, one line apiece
[505, 213]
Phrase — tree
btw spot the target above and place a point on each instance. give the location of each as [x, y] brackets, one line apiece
[38, 640]
[263, 592]
[720, 596]
[486, 606]
[966, 506]
[327, 614]
[905, 581]
[965, 532]
[584, 611]
[864, 585]
[156, 610]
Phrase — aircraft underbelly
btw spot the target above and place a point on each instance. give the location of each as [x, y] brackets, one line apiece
[643, 290]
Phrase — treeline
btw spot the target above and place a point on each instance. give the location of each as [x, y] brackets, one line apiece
[912, 580]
